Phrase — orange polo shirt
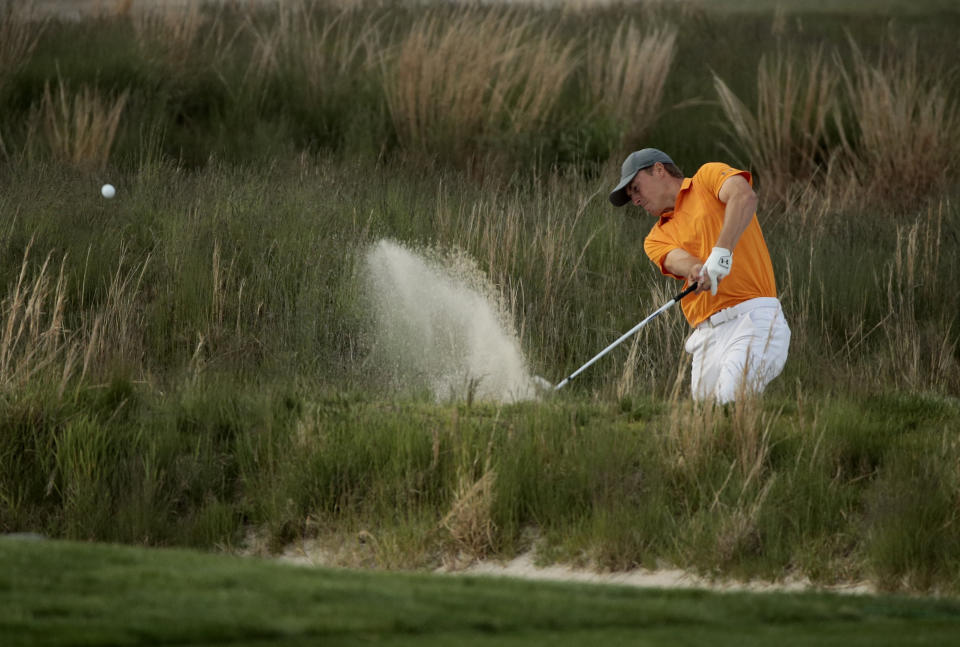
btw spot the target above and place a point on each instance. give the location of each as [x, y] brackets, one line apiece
[694, 226]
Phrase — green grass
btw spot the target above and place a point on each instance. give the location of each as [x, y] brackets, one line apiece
[854, 489]
[59, 593]
[222, 378]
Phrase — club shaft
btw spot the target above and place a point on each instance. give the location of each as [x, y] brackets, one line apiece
[666, 306]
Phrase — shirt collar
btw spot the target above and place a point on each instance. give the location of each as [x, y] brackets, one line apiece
[683, 189]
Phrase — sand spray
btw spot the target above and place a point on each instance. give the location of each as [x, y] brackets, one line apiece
[440, 324]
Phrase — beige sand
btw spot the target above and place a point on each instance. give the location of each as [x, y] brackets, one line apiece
[665, 578]
[317, 553]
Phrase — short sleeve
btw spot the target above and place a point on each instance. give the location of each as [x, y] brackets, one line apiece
[657, 245]
[713, 175]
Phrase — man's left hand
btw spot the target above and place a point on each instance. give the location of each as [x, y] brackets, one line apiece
[717, 266]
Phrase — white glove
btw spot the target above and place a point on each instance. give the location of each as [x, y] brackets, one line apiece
[717, 266]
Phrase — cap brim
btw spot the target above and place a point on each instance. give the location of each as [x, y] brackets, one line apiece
[619, 197]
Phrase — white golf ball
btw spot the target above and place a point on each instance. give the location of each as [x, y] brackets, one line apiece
[108, 191]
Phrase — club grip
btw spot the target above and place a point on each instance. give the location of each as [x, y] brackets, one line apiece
[690, 288]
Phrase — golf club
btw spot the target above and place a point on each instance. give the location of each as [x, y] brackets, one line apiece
[666, 306]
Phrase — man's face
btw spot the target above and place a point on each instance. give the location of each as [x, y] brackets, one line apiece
[648, 189]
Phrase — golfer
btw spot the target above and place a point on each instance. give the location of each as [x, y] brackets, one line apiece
[707, 233]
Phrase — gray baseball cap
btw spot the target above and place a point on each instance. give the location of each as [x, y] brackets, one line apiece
[635, 162]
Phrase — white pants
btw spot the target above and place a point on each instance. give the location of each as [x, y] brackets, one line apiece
[738, 350]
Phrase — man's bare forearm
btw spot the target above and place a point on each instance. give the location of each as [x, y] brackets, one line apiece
[737, 217]
[685, 264]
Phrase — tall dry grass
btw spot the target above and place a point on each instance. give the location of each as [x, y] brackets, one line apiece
[320, 46]
[455, 79]
[176, 37]
[903, 124]
[38, 344]
[19, 35]
[920, 355]
[334, 48]
[34, 337]
[469, 522]
[785, 136]
[20, 31]
[509, 244]
[79, 128]
[847, 131]
[627, 75]
[663, 338]
[112, 330]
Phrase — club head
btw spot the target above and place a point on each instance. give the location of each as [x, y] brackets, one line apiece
[542, 385]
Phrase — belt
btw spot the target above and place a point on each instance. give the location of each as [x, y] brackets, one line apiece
[733, 312]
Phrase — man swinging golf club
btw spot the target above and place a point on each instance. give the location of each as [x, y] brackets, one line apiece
[740, 337]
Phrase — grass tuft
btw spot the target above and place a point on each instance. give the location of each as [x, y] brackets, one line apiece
[628, 73]
[785, 137]
[80, 128]
[35, 340]
[904, 124]
[445, 93]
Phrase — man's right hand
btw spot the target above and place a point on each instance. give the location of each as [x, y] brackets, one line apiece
[683, 264]
[698, 276]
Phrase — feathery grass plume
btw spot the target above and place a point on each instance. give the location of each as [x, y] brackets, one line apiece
[80, 128]
[534, 82]
[174, 35]
[331, 47]
[902, 143]
[786, 136]
[34, 339]
[627, 75]
[469, 522]
[438, 83]
[458, 77]
[317, 47]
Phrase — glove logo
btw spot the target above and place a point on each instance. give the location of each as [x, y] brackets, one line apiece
[724, 262]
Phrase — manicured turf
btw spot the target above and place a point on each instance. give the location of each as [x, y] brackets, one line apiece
[57, 593]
